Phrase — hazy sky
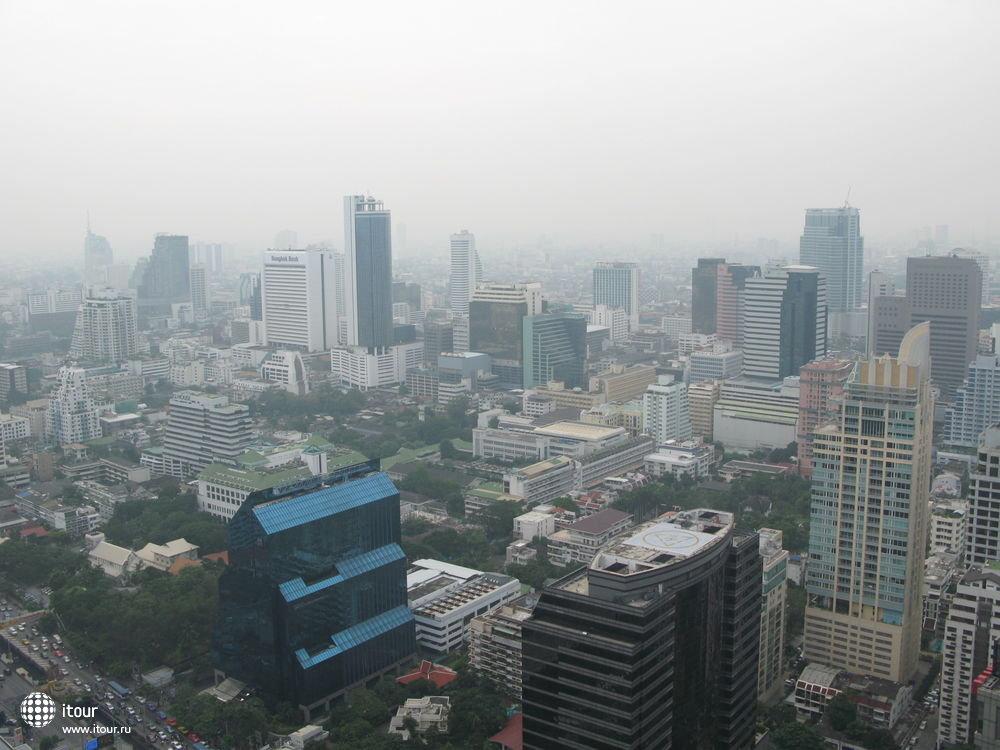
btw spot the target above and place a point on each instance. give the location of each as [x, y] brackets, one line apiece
[586, 121]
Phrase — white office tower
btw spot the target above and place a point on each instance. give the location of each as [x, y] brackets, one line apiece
[970, 632]
[614, 319]
[203, 429]
[341, 296]
[983, 541]
[72, 415]
[106, 328]
[466, 272]
[299, 305]
[199, 292]
[617, 285]
[364, 368]
[665, 410]
[869, 517]
[832, 242]
[785, 322]
[977, 403]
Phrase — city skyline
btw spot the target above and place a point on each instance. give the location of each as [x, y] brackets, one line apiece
[598, 145]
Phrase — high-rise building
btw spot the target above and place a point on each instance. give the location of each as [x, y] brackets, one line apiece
[730, 300]
[617, 285]
[882, 285]
[555, 348]
[13, 379]
[199, 292]
[202, 429]
[947, 292]
[785, 322]
[653, 645]
[496, 325]
[438, 338]
[251, 296]
[613, 318]
[299, 309]
[702, 398]
[774, 593]
[983, 541]
[466, 272]
[970, 634]
[72, 414]
[367, 272]
[665, 411]
[166, 276]
[97, 256]
[820, 382]
[977, 403]
[313, 601]
[704, 296]
[983, 261]
[832, 242]
[869, 517]
[106, 328]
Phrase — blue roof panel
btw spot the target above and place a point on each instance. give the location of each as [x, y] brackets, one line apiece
[296, 588]
[356, 635]
[282, 514]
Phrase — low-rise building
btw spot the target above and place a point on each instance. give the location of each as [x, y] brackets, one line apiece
[534, 524]
[752, 414]
[949, 525]
[74, 520]
[14, 428]
[430, 714]
[681, 458]
[541, 482]
[879, 703]
[163, 556]
[444, 598]
[114, 561]
[579, 542]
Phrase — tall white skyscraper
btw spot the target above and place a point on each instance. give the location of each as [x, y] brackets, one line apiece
[199, 292]
[832, 242]
[466, 271]
[298, 298]
[106, 326]
[617, 285]
[367, 272]
[666, 414]
[72, 415]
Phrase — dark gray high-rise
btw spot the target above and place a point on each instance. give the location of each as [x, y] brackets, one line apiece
[832, 242]
[368, 272]
[166, 277]
[653, 646]
[704, 288]
[947, 291]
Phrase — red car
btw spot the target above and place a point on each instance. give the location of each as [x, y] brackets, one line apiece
[194, 738]
[172, 722]
[58, 653]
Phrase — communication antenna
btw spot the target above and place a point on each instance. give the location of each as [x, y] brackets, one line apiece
[847, 200]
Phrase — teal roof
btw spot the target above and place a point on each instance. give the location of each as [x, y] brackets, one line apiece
[287, 513]
[297, 588]
[356, 635]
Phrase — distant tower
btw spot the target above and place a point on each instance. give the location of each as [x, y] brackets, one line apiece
[704, 287]
[466, 271]
[72, 416]
[97, 256]
[367, 272]
[199, 292]
[832, 242]
[730, 300]
[166, 277]
[617, 285]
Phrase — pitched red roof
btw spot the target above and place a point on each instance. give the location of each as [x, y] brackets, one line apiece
[436, 673]
[510, 737]
[34, 531]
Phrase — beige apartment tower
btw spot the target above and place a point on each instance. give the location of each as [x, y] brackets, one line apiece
[868, 517]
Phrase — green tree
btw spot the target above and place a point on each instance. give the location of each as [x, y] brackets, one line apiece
[366, 705]
[497, 519]
[840, 712]
[796, 736]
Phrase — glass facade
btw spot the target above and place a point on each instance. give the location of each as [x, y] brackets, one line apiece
[314, 598]
[555, 348]
[373, 275]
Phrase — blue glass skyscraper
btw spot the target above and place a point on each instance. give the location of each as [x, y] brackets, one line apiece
[313, 602]
[368, 272]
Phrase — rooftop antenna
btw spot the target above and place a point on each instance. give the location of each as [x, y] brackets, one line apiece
[847, 200]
